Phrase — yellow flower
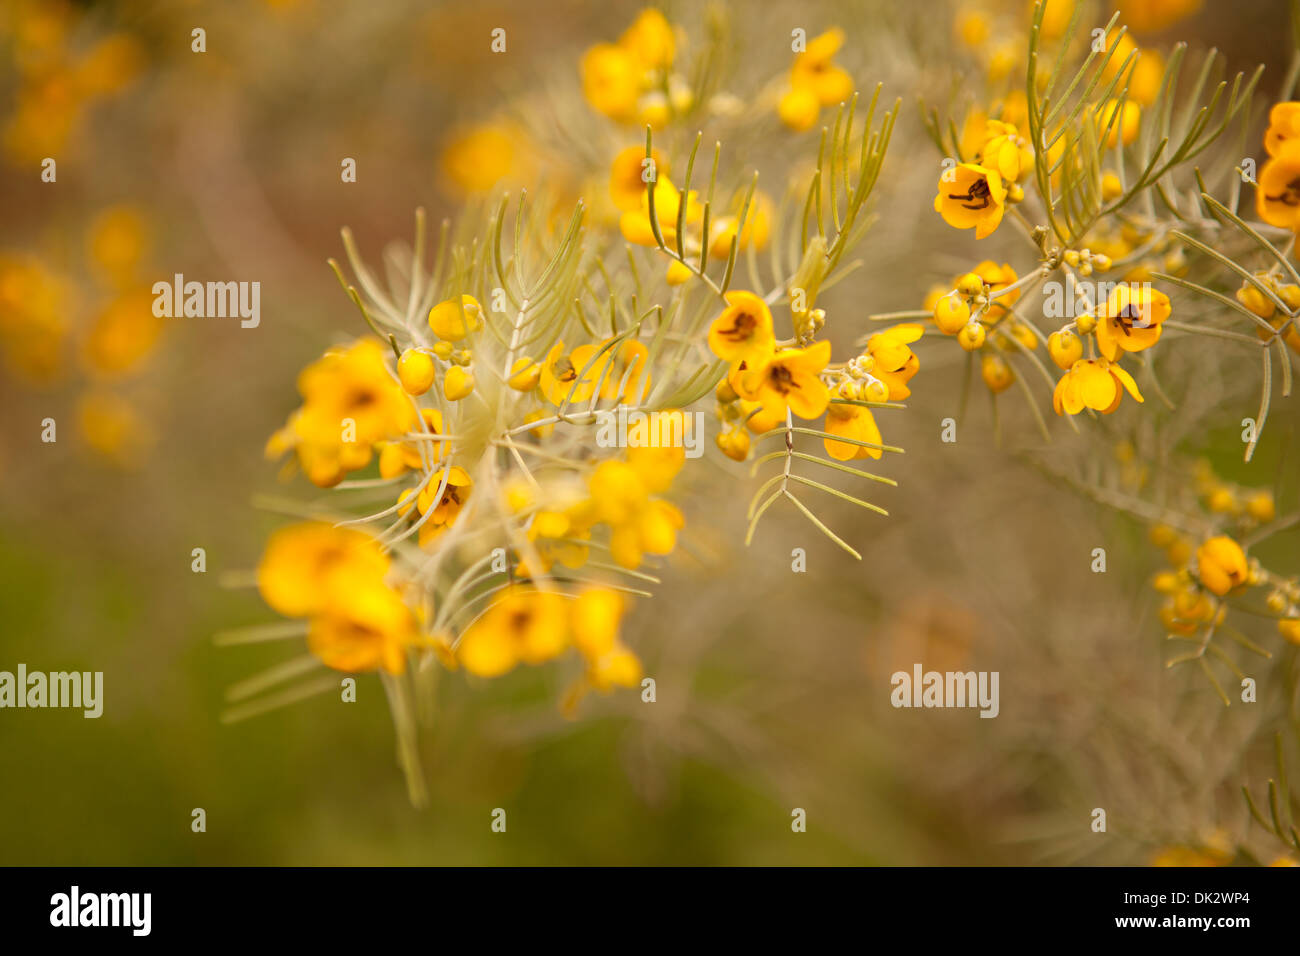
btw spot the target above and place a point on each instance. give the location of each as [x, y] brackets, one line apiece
[452, 321]
[559, 374]
[636, 226]
[972, 28]
[596, 615]
[109, 66]
[123, 334]
[556, 535]
[626, 365]
[649, 40]
[479, 158]
[350, 402]
[526, 626]
[1006, 151]
[611, 79]
[447, 507]
[1125, 128]
[1283, 126]
[788, 380]
[626, 185]
[815, 72]
[1152, 16]
[658, 464]
[798, 109]
[893, 362]
[1221, 565]
[118, 240]
[1093, 383]
[639, 524]
[1130, 320]
[974, 199]
[758, 227]
[743, 330]
[853, 422]
[111, 427]
[367, 626]
[305, 565]
[1277, 195]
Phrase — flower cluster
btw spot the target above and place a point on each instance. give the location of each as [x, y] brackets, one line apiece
[59, 79]
[97, 329]
[632, 81]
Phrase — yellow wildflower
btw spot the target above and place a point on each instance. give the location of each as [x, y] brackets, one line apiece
[1093, 383]
[975, 198]
[743, 330]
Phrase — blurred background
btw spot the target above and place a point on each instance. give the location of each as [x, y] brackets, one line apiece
[773, 687]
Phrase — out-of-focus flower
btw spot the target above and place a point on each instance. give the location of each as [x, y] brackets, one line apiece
[1221, 565]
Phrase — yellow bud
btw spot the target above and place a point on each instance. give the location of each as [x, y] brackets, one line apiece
[1162, 536]
[457, 383]
[524, 375]
[1111, 187]
[1166, 582]
[1290, 629]
[1276, 602]
[996, 373]
[970, 284]
[452, 320]
[725, 393]
[1086, 324]
[1290, 294]
[734, 444]
[1256, 301]
[971, 336]
[416, 371]
[1071, 258]
[1223, 501]
[443, 350]
[1102, 262]
[678, 273]
[1260, 506]
[1065, 347]
[951, 313]
[875, 391]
